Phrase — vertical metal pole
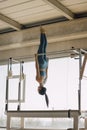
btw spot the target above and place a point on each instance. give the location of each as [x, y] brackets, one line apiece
[85, 123]
[22, 70]
[6, 105]
[76, 122]
[7, 87]
[79, 91]
[11, 64]
[10, 68]
[22, 122]
[19, 90]
[8, 65]
[20, 82]
[8, 122]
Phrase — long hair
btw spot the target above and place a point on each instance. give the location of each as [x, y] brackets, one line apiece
[42, 91]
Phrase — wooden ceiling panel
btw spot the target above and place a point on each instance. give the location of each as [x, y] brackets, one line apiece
[9, 3]
[22, 7]
[4, 26]
[38, 17]
[30, 11]
[78, 8]
[72, 2]
[2, 23]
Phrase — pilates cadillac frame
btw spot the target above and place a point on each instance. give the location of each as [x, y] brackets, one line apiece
[75, 114]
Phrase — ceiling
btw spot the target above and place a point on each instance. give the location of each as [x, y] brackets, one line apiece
[21, 14]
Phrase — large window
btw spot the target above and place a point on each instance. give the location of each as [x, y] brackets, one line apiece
[62, 86]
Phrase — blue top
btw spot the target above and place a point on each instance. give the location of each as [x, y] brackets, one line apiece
[43, 66]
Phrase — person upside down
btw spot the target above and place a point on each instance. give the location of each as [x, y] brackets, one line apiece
[42, 65]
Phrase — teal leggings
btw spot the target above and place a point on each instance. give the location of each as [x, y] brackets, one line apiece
[42, 59]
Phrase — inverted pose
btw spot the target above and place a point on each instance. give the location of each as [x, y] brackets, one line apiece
[42, 64]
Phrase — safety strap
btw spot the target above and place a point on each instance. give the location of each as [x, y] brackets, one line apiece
[40, 54]
[42, 69]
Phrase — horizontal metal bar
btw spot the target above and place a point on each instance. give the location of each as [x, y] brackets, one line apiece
[3, 127]
[15, 77]
[44, 114]
[16, 61]
[84, 51]
[15, 101]
[35, 129]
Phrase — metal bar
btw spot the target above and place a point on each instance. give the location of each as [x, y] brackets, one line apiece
[24, 88]
[40, 54]
[82, 50]
[85, 123]
[10, 64]
[19, 97]
[51, 55]
[83, 66]
[79, 98]
[35, 129]
[6, 89]
[67, 53]
[44, 114]
[8, 122]
[12, 128]
[15, 101]
[14, 77]
[16, 61]
[22, 123]
[75, 127]
[7, 93]
[19, 91]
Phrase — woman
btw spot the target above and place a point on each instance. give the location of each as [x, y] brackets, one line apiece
[42, 64]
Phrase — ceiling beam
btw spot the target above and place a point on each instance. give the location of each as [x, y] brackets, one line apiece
[15, 25]
[60, 7]
[56, 32]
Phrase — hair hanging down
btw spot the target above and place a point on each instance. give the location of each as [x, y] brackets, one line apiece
[47, 100]
[42, 91]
